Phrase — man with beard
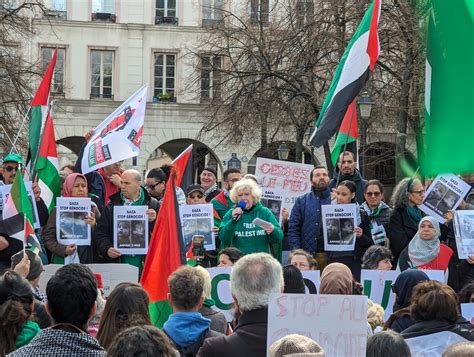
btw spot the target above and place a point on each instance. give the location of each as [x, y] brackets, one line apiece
[346, 170]
[304, 231]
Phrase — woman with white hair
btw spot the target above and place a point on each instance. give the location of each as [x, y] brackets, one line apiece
[238, 228]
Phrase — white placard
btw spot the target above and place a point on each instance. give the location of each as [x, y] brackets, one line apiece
[378, 286]
[119, 136]
[274, 199]
[112, 275]
[131, 229]
[444, 194]
[467, 311]
[339, 222]
[312, 280]
[70, 225]
[5, 191]
[464, 233]
[290, 177]
[337, 322]
[197, 220]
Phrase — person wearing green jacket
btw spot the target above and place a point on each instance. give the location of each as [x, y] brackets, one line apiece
[237, 228]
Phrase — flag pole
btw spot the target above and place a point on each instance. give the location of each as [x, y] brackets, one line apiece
[20, 130]
[343, 150]
[9, 139]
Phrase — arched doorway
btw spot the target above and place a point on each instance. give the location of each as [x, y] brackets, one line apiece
[202, 156]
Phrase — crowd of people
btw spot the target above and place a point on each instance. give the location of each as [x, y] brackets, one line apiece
[75, 318]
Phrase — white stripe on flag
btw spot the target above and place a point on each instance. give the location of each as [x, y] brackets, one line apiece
[428, 87]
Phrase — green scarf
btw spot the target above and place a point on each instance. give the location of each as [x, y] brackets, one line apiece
[414, 213]
[28, 332]
[209, 302]
[139, 202]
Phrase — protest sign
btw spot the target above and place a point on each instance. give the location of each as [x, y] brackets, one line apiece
[273, 199]
[464, 233]
[112, 275]
[444, 194]
[197, 220]
[339, 222]
[220, 288]
[70, 225]
[467, 311]
[5, 191]
[119, 136]
[341, 327]
[378, 286]
[291, 177]
[131, 229]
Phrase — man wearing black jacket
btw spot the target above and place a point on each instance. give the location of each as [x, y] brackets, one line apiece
[346, 170]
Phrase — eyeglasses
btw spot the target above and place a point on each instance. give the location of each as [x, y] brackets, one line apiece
[11, 168]
[375, 194]
[152, 187]
[418, 192]
[198, 196]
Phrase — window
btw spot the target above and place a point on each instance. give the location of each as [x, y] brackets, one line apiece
[55, 5]
[304, 12]
[212, 13]
[103, 6]
[166, 12]
[102, 68]
[165, 74]
[259, 11]
[210, 77]
[57, 84]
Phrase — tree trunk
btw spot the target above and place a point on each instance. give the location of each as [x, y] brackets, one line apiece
[299, 144]
[327, 155]
[264, 133]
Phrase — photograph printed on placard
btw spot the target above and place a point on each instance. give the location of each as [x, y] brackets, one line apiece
[72, 225]
[340, 230]
[347, 230]
[275, 207]
[131, 234]
[441, 199]
[197, 226]
[333, 231]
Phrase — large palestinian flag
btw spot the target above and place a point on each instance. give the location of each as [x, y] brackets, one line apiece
[351, 74]
[47, 166]
[18, 214]
[38, 114]
[166, 252]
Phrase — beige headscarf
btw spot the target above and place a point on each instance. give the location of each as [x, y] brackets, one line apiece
[336, 279]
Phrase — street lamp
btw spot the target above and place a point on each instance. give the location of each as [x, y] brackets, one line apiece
[365, 104]
[283, 151]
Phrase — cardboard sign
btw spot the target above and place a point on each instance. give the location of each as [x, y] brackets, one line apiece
[290, 177]
[464, 233]
[444, 194]
[112, 274]
[337, 322]
[220, 288]
[131, 229]
[197, 220]
[273, 199]
[339, 222]
[70, 225]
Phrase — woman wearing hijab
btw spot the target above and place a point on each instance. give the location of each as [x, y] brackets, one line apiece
[336, 279]
[75, 185]
[425, 251]
[403, 287]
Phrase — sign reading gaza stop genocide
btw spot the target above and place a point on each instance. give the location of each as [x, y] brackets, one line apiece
[291, 177]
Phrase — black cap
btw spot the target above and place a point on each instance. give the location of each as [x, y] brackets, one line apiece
[194, 188]
[210, 169]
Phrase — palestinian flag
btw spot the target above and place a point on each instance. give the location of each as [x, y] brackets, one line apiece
[18, 213]
[184, 168]
[449, 89]
[190, 258]
[166, 252]
[348, 133]
[351, 75]
[221, 204]
[47, 166]
[38, 114]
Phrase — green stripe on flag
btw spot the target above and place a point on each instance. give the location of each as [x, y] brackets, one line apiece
[48, 176]
[36, 120]
[159, 312]
[339, 144]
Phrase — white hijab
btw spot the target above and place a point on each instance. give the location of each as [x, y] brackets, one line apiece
[423, 251]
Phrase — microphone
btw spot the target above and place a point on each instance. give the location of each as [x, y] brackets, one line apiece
[242, 206]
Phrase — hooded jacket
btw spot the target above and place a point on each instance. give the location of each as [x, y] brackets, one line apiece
[356, 178]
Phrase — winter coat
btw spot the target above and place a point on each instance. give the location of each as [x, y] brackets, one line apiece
[103, 234]
[60, 343]
[356, 178]
[247, 237]
[250, 338]
[305, 224]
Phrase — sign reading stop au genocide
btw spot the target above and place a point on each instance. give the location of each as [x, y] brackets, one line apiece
[291, 177]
